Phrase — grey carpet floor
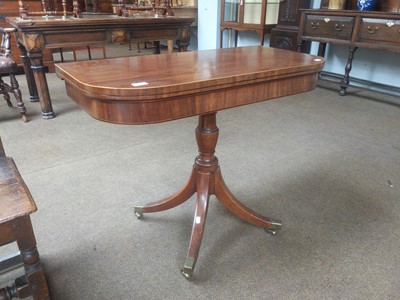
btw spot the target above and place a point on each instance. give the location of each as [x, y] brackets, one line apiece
[327, 166]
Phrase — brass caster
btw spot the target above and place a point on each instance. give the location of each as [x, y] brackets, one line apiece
[188, 268]
[187, 273]
[138, 211]
[271, 231]
[276, 225]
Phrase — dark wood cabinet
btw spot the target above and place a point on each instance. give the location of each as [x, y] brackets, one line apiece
[285, 34]
[356, 29]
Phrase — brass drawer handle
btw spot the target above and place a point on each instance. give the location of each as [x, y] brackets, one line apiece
[371, 30]
[338, 27]
[314, 26]
[390, 24]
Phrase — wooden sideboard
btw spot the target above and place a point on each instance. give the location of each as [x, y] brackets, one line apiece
[356, 29]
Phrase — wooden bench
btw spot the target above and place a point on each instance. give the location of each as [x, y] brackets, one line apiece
[16, 205]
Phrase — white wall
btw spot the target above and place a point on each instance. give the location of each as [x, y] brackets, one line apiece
[368, 64]
[208, 24]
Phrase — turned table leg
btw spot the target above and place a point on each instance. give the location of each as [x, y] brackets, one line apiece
[344, 83]
[42, 87]
[206, 180]
[33, 94]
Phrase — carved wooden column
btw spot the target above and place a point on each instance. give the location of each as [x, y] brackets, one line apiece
[285, 34]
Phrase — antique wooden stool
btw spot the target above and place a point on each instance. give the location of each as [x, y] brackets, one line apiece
[16, 204]
[8, 67]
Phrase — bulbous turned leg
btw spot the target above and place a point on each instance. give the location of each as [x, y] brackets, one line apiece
[344, 83]
[33, 93]
[4, 88]
[17, 94]
[39, 75]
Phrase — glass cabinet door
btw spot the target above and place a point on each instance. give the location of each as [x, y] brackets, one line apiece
[272, 12]
[243, 15]
[231, 10]
[252, 11]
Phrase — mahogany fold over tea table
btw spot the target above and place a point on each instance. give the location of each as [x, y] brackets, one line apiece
[151, 89]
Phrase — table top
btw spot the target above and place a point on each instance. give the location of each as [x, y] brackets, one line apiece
[148, 89]
[53, 22]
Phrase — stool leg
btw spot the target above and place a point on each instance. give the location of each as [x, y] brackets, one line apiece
[8, 99]
[61, 54]
[104, 51]
[17, 94]
[3, 90]
[8, 293]
[89, 53]
[35, 280]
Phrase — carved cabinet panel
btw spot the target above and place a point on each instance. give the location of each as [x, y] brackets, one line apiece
[285, 34]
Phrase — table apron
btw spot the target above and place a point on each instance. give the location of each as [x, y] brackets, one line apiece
[167, 109]
[70, 38]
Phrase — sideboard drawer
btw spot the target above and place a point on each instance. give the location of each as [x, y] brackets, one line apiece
[329, 27]
[380, 30]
